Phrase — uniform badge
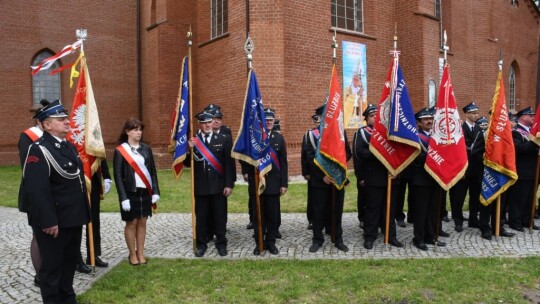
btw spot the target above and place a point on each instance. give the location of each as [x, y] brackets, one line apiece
[32, 159]
[57, 145]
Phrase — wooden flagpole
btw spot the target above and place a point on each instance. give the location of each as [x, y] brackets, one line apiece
[193, 216]
[258, 207]
[388, 206]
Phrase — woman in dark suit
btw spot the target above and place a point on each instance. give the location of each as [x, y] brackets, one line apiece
[137, 186]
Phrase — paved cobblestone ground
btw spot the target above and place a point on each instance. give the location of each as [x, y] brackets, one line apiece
[169, 236]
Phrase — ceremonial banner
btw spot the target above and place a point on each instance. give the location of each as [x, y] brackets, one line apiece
[85, 131]
[180, 123]
[330, 155]
[500, 157]
[535, 130]
[252, 142]
[446, 160]
[354, 84]
[395, 137]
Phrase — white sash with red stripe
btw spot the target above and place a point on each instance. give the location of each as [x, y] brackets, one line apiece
[137, 165]
[34, 133]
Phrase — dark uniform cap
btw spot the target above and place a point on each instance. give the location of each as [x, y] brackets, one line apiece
[204, 117]
[53, 109]
[211, 108]
[433, 110]
[269, 114]
[526, 111]
[319, 110]
[370, 109]
[470, 107]
[216, 113]
[482, 120]
[424, 113]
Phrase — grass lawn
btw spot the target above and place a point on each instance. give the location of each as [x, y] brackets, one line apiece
[459, 280]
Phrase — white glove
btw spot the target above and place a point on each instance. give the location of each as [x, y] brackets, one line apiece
[107, 185]
[126, 206]
[155, 198]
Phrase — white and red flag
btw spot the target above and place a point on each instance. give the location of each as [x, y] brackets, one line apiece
[48, 62]
[446, 159]
[85, 128]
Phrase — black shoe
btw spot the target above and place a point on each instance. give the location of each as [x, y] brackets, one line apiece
[520, 229]
[342, 247]
[99, 262]
[446, 219]
[314, 247]
[272, 249]
[200, 252]
[401, 223]
[368, 244]
[420, 246]
[436, 243]
[278, 235]
[458, 228]
[504, 221]
[361, 225]
[327, 231]
[396, 243]
[250, 226]
[256, 251]
[83, 268]
[443, 233]
[36, 280]
[505, 233]
[487, 236]
[222, 251]
[310, 226]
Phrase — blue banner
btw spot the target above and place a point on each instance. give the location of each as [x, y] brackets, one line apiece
[252, 143]
[180, 125]
[492, 183]
[402, 123]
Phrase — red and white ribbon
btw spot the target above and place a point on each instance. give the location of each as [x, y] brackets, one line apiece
[48, 62]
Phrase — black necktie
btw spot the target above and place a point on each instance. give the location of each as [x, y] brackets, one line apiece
[207, 138]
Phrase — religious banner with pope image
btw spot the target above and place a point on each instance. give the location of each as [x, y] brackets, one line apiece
[354, 84]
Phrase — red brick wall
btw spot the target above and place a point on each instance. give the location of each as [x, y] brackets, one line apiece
[292, 57]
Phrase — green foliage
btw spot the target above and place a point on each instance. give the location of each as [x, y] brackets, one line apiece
[470, 280]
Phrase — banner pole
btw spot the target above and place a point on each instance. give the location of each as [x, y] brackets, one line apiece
[498, 216]
[258, 207]
[193, 216]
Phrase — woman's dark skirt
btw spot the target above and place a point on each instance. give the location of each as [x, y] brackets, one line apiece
[141, 205]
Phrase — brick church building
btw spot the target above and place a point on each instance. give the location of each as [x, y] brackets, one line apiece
[135, 47]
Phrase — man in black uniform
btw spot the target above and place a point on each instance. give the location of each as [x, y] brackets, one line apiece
[373, 176]
[321, 186]
[54, 182]
[217, 120]
[101, 184]
[522, 192]
[472, 181]
[362, 134]
[27, 138]
[425, 188]
[214, 181]
[488, 213]
[311, 138]
[276, 185]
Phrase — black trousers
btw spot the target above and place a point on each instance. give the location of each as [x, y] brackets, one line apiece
[59, 257]
[424, 215]
[322, 200]
[309, 211]
[519, 203]
[211, 208]
[488, 214]
[376, 213]
[270, 214]
[361, 202]
[95, 199]
[473, 184]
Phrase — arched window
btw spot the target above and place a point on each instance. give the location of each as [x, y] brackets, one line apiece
[432, 93]
[45, 86]
[512, 89]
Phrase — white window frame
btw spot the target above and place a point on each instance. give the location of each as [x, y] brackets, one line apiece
[342, 22]
[219, 18]
[45, 86]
